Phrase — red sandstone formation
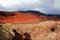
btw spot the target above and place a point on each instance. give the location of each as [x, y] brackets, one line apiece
[21, 17]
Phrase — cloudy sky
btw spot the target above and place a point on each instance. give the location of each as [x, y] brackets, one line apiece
[45, 6]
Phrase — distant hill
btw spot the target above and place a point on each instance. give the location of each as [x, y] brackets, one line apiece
[34, 12]
[40, 13]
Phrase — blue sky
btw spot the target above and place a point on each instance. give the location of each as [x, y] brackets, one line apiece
[45, 6]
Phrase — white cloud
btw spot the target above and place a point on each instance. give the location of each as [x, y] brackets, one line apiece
[39, 5]
[15, 4]
[57, 4]
[6, 3]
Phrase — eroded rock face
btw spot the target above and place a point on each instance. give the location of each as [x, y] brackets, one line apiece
[18, 17]
[38, 31]
[6, 32]
[24, 17]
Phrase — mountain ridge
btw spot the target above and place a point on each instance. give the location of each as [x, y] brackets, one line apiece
[25, 16]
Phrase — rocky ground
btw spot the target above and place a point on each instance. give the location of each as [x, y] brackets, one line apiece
[41, 30]
[46, 30]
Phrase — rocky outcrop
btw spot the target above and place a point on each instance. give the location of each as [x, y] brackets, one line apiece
[24, 17]
[42, 30]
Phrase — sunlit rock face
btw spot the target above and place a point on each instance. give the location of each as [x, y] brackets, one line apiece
[24, 17]
[31, 31]
[19, 17]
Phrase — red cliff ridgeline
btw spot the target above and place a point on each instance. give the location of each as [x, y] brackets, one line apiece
[21, 17]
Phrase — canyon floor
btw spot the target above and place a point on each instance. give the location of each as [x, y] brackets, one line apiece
[39, 30]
